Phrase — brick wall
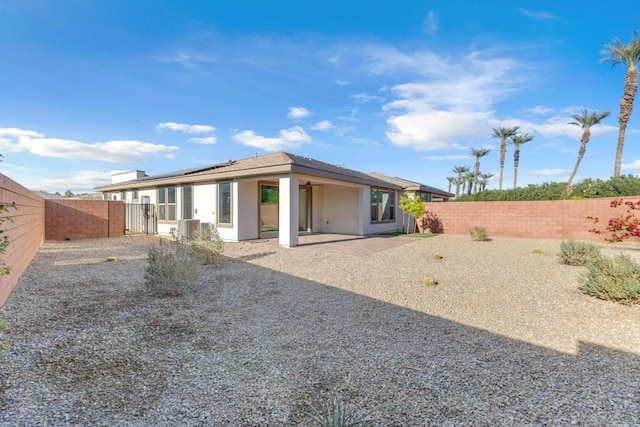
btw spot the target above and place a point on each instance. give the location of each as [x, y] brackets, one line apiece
[25, 233]
[554, 219]
[83, 219]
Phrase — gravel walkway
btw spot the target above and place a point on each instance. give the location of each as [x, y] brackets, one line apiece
[505, 338]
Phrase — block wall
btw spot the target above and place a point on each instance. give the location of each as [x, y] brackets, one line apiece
[25, 231]
[553, 219]
[83, 219]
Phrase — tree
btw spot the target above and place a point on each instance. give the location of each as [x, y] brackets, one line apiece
[451, 180]
[478, 154]
[517, 141]
[468, 181]
[459, 170]
[484, 180]
[585, 120]
[503, 134]
[413, 206]
[68, 193]
[629, 55]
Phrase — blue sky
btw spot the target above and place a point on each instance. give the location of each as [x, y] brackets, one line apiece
[405, 88]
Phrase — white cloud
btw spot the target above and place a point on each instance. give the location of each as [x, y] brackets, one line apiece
[288, 139]
[182, 127]
[363, 97]
[453, 101]
[430, 24]
[78, 181]
[548, 172]
[188, 60]
[298, 112]
[448, 157]
[631, 166]
[17, 133]
[204, 141]
[538, 15]
[427, 129]
[555, 126]
[540, 109]
[341, 82]
[19, 140]
[324, 125]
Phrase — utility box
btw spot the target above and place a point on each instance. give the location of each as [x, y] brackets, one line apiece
[186, 227]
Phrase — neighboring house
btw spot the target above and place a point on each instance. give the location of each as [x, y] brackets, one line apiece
[413, 189]
[275, 195]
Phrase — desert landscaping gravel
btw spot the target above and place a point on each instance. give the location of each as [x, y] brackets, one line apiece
[504, 338]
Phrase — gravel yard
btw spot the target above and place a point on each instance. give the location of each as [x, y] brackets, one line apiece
[505, 338]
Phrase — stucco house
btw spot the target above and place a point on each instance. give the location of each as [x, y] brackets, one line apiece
[274, 195]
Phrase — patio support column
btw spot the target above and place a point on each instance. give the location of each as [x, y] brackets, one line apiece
[288, 210]
[364, 198]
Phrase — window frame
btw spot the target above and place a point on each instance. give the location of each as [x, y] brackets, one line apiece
[163, 201]
[184, 198]
[219, 204]
[375, 206]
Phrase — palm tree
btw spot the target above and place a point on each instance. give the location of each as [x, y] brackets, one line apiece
[629, 55]
[585, 120]
[484, 180]
[469, 177]
[459, 170]
[517, 141]
[503, 134]
[478, 154]
[451, 180]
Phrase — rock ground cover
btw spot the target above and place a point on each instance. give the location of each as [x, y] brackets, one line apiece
[505, 338]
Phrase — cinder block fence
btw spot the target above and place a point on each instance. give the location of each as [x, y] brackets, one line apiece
[67, 219]
[36, 219]
[548, 219]
[25, 231]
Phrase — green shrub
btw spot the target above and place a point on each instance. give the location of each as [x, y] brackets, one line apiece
[437, 256]
[536, 251]
[479, 234]
[613, 279]
[620, 186]
[172, 269]
[207, 244]
[573, 252]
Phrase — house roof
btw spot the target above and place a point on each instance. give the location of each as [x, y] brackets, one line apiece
[274, 163]
[411, 185]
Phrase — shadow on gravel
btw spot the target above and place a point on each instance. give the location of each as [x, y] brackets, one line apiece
[253, 346]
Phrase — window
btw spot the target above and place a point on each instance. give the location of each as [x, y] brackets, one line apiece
[383, 205]
[135, 195]
[167, 203]
[224, 202]
[424, 197]
[123, 196]
[187, 202]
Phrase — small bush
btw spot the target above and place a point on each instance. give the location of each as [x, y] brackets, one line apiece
[537, 251]
[112, 259]
[577, 253]
[172, 269]
[479, 234]
[429, 281]
[336, 413]
[437, 256]
[207, 244]
[613, 279]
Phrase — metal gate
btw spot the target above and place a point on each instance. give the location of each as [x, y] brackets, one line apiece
[140, 218]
